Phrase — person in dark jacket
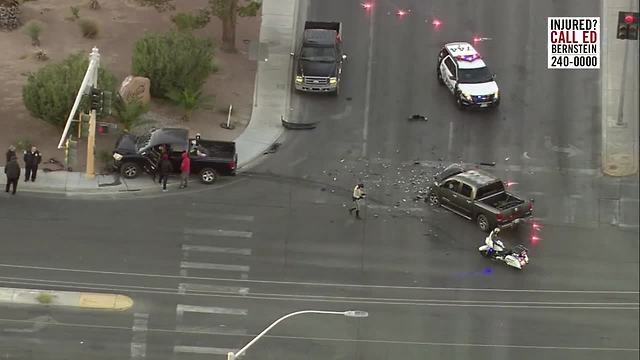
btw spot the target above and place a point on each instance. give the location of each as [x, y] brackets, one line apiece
[185, 170]
[10, 153]
[164, 169]
[32, 159]
[12, 170]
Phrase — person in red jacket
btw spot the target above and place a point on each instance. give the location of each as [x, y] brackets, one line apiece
[185, 169]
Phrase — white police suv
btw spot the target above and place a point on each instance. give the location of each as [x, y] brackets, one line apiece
[461, 69]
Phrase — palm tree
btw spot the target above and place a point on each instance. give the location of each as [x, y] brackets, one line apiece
[129, 113]
[190, 100]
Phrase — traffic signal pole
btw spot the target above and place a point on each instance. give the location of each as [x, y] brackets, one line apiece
[91, 138]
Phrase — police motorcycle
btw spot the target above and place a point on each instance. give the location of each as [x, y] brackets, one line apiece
[494, 248]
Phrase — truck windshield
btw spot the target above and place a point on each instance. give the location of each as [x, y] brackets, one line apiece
[327, 54]
[143, 141]
[474, 76]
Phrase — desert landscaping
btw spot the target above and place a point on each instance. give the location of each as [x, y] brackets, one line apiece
[38, 33]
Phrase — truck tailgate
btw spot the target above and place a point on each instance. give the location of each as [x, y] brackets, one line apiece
[517, 211]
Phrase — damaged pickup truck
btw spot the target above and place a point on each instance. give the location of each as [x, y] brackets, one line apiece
[480, 197]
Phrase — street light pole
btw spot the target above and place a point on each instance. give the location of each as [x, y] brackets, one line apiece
[350, 313]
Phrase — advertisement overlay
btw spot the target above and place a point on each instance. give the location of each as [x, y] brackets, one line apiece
[574, 43]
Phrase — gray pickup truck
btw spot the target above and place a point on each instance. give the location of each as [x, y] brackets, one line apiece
[480, 197]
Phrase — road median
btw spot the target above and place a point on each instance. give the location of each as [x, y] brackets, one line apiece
[83, 300]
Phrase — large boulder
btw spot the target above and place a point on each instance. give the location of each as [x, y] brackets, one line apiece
[136, 88]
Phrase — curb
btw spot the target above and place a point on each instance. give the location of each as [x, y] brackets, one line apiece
[95, 301]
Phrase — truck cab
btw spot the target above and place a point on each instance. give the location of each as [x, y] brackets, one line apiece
[320, 57]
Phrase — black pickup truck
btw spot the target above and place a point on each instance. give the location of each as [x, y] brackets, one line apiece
[209, 159]
[480, 197]
[319, 61]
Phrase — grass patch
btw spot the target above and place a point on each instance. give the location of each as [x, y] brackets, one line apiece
[45, 298]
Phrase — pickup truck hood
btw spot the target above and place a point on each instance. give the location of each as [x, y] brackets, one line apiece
[126, 144]
[316, 68]
[479, 89]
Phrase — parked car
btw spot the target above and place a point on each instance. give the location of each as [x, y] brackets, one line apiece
[480, 197]
[209, 159]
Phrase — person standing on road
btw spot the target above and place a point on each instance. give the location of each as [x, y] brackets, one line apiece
[11, 152]
[12, 170]
[32, 159]
[357, 197]
[185, 169]
[164, 169]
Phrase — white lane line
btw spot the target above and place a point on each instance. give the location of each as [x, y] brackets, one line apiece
[202, 350]
[213, 288]
[181, 309]
[212, 330]
[209, 266]
[367, 96]
[216, 249]
[450, 144]
[218, 232]
[302, 283]
[197, 215]
[139, 337]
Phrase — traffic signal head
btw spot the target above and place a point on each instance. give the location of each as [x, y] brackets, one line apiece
[96, 97]
[627, 25]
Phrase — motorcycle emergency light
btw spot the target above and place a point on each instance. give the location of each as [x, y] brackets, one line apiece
[401, 12]
[436, 23]
[367, 5]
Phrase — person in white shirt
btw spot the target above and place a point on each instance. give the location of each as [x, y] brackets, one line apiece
[357, 197]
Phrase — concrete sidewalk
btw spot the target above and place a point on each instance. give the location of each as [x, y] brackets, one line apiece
[97, 301]
[619, 93]
[271, 99]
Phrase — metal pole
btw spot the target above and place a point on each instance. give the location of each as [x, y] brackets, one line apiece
[85, 82]
[91, 138]
[229, 116]
[232, 356]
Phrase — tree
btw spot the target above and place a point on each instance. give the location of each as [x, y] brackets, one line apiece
[129, 114]
[49, 94]
[228, 11]
[175, 60]
[190, 100]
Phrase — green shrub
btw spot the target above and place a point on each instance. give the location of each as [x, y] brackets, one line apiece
[44, 298]
[49, 93]
[33, 30]
[174, 60]
[189, 22]
[160, 5]
[89, 28]
[75, 12]
[129, 114]
[190, 100]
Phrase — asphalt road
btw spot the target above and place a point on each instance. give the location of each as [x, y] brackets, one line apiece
[210, 269]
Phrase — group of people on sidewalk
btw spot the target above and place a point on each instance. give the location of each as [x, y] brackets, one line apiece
[32, 159]
[165, 168]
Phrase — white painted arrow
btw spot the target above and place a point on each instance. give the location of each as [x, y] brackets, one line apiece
[570, 150]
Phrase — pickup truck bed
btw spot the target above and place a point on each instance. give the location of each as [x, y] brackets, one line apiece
[502, 201]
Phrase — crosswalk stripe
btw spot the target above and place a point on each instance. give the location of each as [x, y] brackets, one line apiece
[216, 249]
[218, 232]
[210, 266]
[184, 287]
[181, 309]
[198, 215]
[202, 350]
[212, 330]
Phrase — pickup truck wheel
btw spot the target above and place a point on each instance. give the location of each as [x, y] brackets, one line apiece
[433, 199]
[208, 176]
[483, 223]
[130, 170]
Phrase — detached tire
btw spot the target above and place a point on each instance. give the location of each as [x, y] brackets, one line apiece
[483, 223]
[432, 199]
[208, 176]
[130, 170]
